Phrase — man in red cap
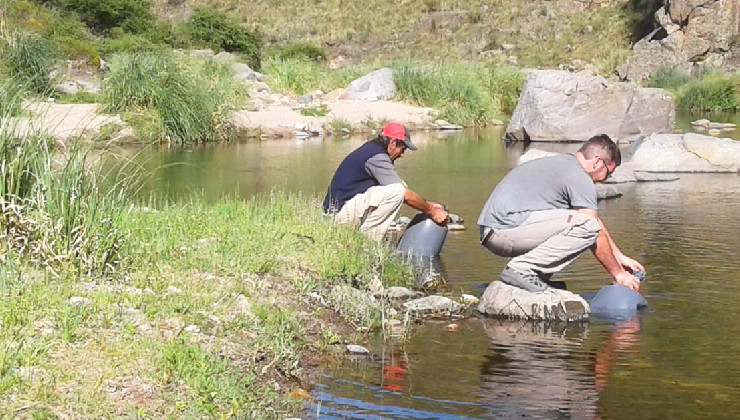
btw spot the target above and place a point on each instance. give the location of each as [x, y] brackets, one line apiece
[367, 192]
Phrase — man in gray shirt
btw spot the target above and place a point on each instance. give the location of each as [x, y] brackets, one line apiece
[543, 213]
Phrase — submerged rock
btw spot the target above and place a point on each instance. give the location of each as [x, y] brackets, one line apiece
[503, 300]
[433, 305]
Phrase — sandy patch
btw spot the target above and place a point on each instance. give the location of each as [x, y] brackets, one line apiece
[63, 121]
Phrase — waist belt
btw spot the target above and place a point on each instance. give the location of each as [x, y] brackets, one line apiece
[487, 234]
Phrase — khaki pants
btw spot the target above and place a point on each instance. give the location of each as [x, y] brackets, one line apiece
[374, 210]
[546, 242]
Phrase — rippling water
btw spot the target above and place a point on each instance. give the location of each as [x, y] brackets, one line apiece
[680, 359]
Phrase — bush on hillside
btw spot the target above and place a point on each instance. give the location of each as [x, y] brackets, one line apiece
[214, 29]
[133, 16]
[303, 50]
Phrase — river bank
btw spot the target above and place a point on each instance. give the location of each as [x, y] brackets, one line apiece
[212, 310]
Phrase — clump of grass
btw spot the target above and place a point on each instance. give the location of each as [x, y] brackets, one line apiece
[80, 97]
[298, 76]
[304, 50]
[189, 102]
[670, 79]
[716, 91]
[466, 95]
[31, 60]
[317, 111]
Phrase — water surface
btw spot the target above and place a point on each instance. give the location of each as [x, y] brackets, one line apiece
[678, 360]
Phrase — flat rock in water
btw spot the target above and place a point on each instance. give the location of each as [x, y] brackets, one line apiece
[607, 191]
[654, 177]
[503, 300]
[433, 304]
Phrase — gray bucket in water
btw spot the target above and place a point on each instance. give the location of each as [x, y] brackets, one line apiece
[422, 238]
[617, 301]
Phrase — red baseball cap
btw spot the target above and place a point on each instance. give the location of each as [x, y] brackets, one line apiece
[397, 131]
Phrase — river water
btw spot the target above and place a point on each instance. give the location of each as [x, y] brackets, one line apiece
[680, 359]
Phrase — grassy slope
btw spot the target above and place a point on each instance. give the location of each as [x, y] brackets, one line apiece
[541, 33]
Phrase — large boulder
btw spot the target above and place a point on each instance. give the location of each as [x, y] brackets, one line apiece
[688, 152]
[563, 106]
[505, 301]
[374, 86]
[691, 35]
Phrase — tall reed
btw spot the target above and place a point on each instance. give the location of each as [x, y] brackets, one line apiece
[191, 102]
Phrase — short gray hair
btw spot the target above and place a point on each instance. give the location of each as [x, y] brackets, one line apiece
[602, 146]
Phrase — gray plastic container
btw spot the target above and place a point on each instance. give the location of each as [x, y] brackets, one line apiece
[422, 238]
[617, 302]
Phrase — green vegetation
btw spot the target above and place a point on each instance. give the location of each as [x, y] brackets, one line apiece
[467, 95]
[299, 76]
[133, 16]
[216, 30]
[167, 98]
[303, 50]
[30, 60]
[712, 91]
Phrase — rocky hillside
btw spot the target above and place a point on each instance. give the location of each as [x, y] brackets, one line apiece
[596, 34]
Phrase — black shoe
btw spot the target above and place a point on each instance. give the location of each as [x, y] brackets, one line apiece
[527, 281]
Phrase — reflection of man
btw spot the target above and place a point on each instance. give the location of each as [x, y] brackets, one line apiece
[543, 213]
[367, 192]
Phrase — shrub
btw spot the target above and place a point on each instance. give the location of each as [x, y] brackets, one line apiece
[505, 84]
[216, 30]
[128, 43]
[303, 50]
[133, 16]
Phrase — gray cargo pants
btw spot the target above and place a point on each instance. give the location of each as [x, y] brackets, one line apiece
[545, 243]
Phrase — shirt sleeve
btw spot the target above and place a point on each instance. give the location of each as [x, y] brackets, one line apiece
[381, 168]
[582, 192]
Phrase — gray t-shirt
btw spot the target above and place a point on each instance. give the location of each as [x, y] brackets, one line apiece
[554, 182]
[381, 168]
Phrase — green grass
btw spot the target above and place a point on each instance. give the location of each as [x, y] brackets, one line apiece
[463, 94]
[180, 102]
[298, 75]
[709, 91]
[30, 60]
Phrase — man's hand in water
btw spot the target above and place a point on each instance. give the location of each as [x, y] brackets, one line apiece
[626, 279]
[438, 213]
[629, 264]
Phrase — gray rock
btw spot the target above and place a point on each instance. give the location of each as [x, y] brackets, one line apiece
[654, 177]
[66, 88]
[563, 106]
[374, 86]
[398, 292]
[692, 35]
[205, 53]
[80, 301]
[688, 152]
[356, 349]
[433, 304]
[243, 72]
[502, 300]
[604, 191]
[304, 99]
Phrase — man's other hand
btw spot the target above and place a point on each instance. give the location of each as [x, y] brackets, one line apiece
[626, 279]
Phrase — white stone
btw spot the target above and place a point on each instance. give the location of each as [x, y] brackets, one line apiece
[355, 349]
[80, 301]
[193, 329]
